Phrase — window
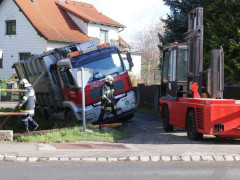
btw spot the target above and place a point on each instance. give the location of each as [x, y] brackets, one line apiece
[24, 56]
[1, 58]
[103, 36]
[105, 66]
[182, 64]
[172, 66]
[165, 66]
[11, 27]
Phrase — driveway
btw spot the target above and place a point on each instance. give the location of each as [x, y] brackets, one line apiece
[147, 129]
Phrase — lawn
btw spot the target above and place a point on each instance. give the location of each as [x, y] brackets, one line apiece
[65, 132]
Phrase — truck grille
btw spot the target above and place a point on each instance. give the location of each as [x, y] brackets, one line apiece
[96, 93]
[200, 118]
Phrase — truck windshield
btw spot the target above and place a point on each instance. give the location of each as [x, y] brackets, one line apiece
[103, 67]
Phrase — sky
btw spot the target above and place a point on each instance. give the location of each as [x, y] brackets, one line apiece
[134, 14]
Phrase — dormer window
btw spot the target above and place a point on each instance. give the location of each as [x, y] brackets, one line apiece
[11, 27]
[103, 36]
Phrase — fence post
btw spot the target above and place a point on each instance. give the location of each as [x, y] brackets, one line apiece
[9, 94]
[156, 97]
[139, 91]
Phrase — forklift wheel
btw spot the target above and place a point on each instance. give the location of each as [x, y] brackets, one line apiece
[166, 126]
[192, 127]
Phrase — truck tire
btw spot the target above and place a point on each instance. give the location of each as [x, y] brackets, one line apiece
[127, 118]
[166, 126]
[70, 117]
[192, 127]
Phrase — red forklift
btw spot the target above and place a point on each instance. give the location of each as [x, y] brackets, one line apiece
[191, 98]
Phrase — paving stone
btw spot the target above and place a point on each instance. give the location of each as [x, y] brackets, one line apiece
[229, 158]
[122, 159]
[196, 158]
[102, 159]
[89, 159]
[64, 159]
[32, 159]
[10, 158]
[21, 158]
[133, 158]
[112, 159]
[1, 157]
[218, 158]
[207, 158]
[237, 158]
[155, 158]
[53, 159]
[185, 158]
[144, 158]
[166, 158]
[176, 158]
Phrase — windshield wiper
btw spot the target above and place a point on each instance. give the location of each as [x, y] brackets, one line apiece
[115, 73]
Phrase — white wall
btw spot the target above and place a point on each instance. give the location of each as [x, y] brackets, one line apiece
[56, 44]
[137, 62]
[94, 31]
[25, 40]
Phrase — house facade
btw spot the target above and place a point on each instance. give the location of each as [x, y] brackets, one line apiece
[34, 26]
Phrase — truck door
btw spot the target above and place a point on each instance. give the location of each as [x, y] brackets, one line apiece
[70, 90]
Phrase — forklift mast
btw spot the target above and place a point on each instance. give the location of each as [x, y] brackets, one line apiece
[194, 37]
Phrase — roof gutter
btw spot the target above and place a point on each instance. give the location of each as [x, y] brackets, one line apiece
[107, 24]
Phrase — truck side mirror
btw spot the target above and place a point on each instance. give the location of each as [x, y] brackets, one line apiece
[129, 58]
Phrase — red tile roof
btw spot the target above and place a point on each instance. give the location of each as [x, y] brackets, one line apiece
[50, 21]
[123, 43]
[87, 12]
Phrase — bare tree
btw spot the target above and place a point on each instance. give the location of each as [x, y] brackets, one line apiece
[147, 41]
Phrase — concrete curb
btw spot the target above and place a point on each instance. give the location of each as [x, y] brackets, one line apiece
[183, 158]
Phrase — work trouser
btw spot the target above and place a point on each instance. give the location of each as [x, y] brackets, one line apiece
[103, 110]
[26, 120]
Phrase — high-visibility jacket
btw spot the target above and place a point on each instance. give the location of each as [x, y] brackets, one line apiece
[28, 101]
[107, 94]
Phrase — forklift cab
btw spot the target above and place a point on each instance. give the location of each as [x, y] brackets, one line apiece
[174, 71]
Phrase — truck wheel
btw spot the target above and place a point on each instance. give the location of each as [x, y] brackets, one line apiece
[166, 126]
[192, 127]
[127, 118]
[70, 117]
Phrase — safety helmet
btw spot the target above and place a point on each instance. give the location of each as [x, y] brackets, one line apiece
[108, 78]
[25, 83]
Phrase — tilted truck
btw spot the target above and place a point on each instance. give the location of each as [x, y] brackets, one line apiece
[57, 92]
[191, 98]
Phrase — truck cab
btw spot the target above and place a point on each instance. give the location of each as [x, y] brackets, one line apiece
[58, 94]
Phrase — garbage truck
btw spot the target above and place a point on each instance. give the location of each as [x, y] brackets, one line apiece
[58, 94]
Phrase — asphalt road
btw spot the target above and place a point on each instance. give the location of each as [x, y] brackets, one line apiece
[120, 171]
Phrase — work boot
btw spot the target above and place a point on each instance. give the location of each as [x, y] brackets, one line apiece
[36, 126]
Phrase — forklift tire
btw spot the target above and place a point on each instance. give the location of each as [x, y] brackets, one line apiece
[192, 127]
[70, 117]
[166, 126]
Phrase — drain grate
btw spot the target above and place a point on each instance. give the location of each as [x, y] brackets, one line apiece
[90, 146]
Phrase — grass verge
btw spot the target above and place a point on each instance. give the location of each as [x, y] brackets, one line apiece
[70, 132]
